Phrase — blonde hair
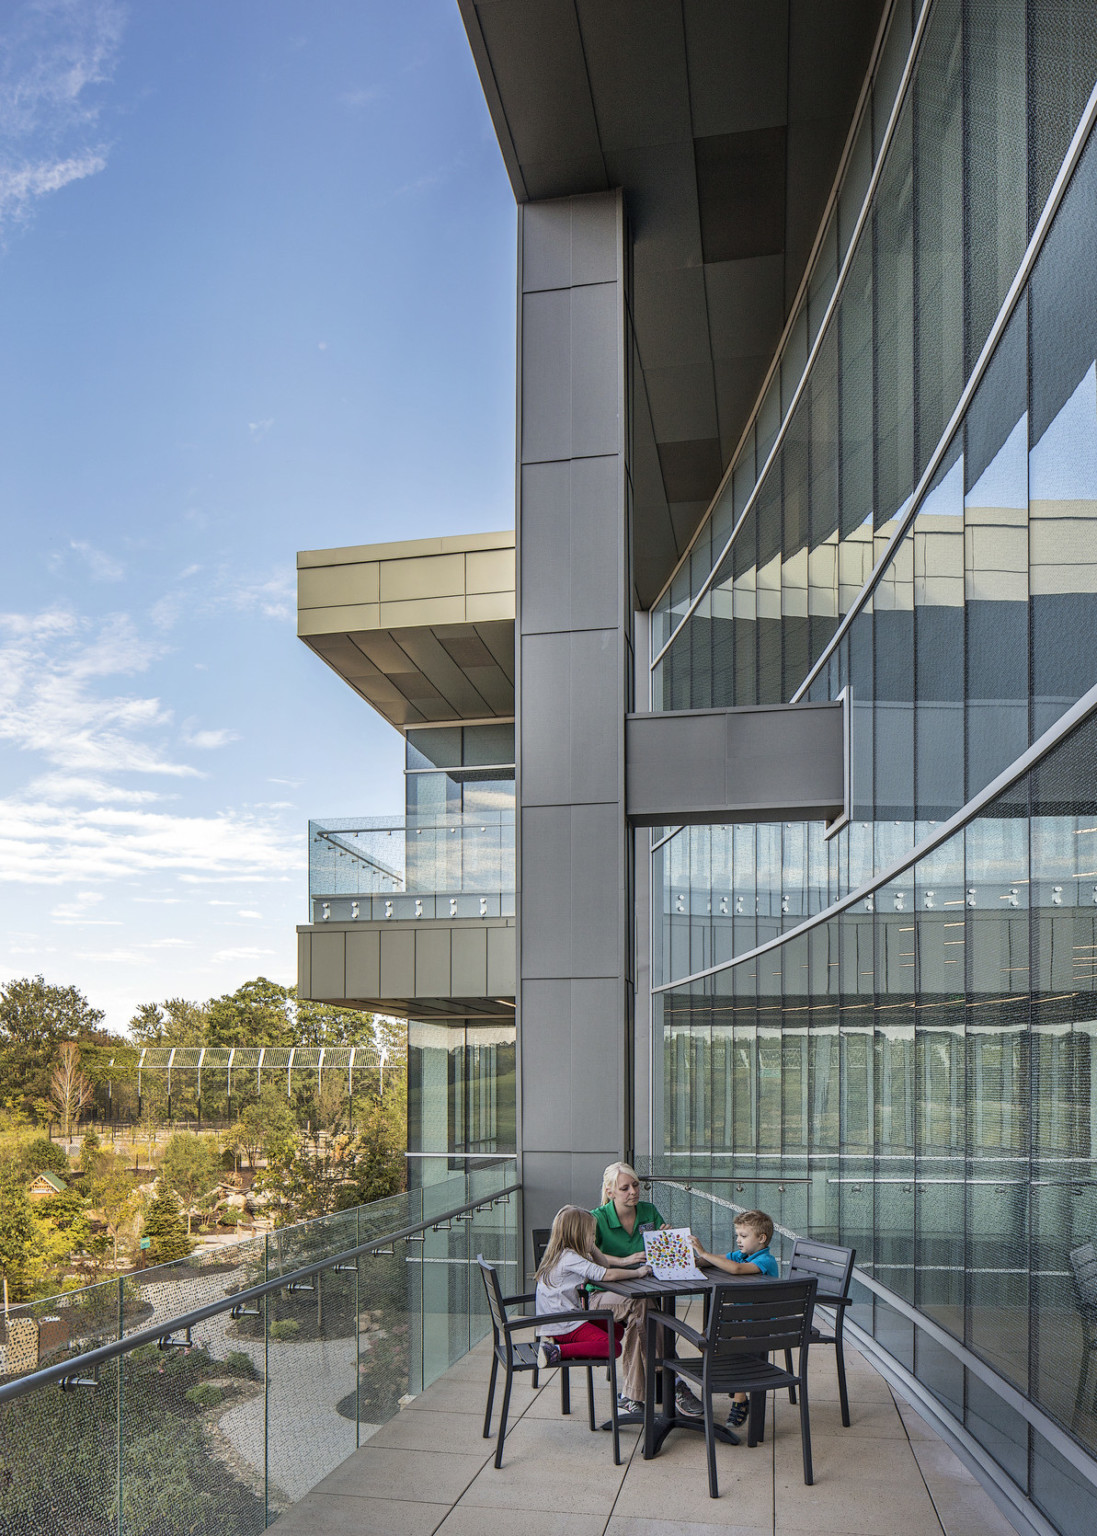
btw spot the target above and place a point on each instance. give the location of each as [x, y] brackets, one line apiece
[573, 1228]
[757, 1222]
[610, 1177]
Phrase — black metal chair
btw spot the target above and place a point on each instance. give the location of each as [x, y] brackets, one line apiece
[747, 1321]
[832, 1267]
[1083, 1278]
[514, 1356]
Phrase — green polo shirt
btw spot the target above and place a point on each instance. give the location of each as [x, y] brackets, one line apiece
[611, 1236]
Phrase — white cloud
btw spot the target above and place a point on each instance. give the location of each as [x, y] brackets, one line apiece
[42, 844]
[243, 954]
[206, 741]
[50, 703]
[259, 429]
[53, 53]
[243, 912]
[101, 566]
[275, 597]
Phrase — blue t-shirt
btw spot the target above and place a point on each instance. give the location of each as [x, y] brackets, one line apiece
[763, 1258]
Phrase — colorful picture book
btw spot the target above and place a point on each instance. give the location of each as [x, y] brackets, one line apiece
[670, 1254]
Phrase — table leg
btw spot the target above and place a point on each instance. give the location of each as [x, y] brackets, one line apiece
[670, 1418]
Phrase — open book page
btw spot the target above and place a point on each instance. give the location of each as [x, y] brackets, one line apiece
[670, 1254]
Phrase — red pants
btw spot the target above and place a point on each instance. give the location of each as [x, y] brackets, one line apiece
[588, 1341]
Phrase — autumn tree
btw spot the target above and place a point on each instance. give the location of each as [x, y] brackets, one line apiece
[70, 1090]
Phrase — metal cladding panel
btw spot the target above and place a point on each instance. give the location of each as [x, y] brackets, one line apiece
[570, 756]
[364, 964]
[328, 971]
[397, 964]
[501, 957]
[569, 553]
[432, 964]
[470, 963]
[304, 965]
[780, 762]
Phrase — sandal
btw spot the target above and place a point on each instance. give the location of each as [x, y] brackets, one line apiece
[737, 1415]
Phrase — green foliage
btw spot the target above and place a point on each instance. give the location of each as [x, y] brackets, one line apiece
[41, 1155]
[175, 1022]
[205, 1395]
[268, 1126]
[239, 1363]
[287, 1329]
[35, 1018]
[191, 1165]
[90, 1148]
[17, 1233]
[164, 1225]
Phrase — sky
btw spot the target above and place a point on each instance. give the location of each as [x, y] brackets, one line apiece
[256, 295]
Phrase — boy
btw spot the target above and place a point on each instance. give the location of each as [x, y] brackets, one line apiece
[750, 1256]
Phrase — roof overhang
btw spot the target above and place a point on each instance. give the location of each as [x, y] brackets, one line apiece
[423, 630]
[724, 123]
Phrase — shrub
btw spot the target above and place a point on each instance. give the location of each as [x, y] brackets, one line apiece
[287, 1329]
[241, 1364]
[205, 1395]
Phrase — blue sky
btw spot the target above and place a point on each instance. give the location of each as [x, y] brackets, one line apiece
[256, 295]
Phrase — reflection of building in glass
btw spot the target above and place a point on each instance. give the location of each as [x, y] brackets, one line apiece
[807, 413]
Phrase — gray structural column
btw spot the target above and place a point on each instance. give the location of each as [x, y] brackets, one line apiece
[573, 667]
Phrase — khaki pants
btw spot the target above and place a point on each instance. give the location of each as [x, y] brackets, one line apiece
[633, 1363]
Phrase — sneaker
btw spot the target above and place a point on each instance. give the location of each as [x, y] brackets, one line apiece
[686, 1403]
[737, 1415]
[548, 1354]
[628, 1404]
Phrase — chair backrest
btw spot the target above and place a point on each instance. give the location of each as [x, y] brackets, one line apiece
[1083, 1269]
[495, 1297]
[540, 1236]
[832, 1266]
[755, 1318]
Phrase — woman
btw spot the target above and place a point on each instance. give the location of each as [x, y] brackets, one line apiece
[621, 1221]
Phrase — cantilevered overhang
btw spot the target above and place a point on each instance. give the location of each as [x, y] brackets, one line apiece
[724, 121]
[423, 630]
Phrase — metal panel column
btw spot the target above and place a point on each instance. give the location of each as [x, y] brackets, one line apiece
[573, 670]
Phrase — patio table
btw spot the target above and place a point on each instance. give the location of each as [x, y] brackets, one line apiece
[664, 1294]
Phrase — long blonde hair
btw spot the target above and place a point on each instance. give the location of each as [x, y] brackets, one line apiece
[609, 1179]
[573, 1228]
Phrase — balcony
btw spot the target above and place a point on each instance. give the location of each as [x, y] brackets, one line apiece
[413, 914]
[410, 868]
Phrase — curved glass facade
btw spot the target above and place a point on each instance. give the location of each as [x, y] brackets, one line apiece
[898, 1020]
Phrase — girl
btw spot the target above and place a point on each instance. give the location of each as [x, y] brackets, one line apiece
[570, 1260]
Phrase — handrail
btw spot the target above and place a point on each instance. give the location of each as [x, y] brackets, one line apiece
[93, 1358]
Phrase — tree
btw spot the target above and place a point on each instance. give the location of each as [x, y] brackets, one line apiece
[175, 1022]
[35, 1018]
[41, 1155]
[70, 1089]
[163, 1225]
[113, 1196]
[191, 1166]
[257, 1013]
[17, 1234]
[268, 1126]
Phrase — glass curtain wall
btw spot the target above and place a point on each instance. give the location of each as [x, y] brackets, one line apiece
[917, 1060]
[461, 1095]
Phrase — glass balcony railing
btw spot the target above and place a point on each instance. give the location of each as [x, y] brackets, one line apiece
[206, 1397]
[372, 869]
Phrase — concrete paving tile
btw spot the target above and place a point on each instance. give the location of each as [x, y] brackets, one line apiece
[674, 1486]
[938, 1463]
[476, 1520]
[446, 1396]
[418, 1476]
[326, 1514]
[916, 1427]
[869, 1419]
[641, 1527]
[843, 1506]
[548, 1466]
[968, 1510]
[430, 1431]
[868, 1459]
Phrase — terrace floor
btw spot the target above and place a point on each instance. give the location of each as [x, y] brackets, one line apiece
[429, 1470]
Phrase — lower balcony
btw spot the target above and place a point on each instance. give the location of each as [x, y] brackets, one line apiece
[430, 1470]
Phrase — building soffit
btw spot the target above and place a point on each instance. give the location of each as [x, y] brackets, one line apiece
[723, 121]
[423, 630]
